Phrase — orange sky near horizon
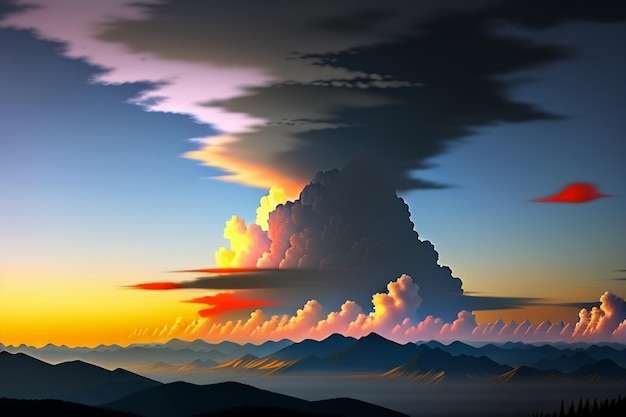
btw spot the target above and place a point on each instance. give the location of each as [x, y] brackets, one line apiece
[95, 314]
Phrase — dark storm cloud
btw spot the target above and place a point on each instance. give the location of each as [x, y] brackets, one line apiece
[577, 304]
[249, 280]
[364, 20]
[478, 302]
[399, 81]
[451, 72]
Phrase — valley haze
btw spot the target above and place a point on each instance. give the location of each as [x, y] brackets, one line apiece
[417, 379]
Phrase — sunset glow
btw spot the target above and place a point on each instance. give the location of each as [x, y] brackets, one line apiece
[374, 171]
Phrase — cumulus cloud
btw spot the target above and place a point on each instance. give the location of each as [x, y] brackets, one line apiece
[352, 227]
[267, 204]
[392, 315]
[601, 322]
[461, 328]
[247, 244]
[344, 234]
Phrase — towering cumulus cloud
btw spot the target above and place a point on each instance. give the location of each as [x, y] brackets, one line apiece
[352, 227]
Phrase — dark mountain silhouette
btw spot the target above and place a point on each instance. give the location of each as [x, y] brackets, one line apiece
[350, 407]
[331, 345]
[434, 365]
[608, 352]
[565, 363]
[12, 407]
[604, 369]
[372, 353]
[263, 411]
[510, 353]
[430, 362]
[180, 399]
[29, 378]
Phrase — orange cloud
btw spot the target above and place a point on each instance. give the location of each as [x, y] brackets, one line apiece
[223, 302]
[247, 244]
[579, 192]
[217, 152]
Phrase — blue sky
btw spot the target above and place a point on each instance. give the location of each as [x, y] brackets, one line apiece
[93, 181]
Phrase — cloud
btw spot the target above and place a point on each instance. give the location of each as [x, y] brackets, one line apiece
[344, 234]
[295, 90]
[247, 244]
[224, 302]
[398, 304]
[442, 94]
[352, 227]
[267, 204]
[601, 322]
[392, 315]
[579, 192]
[157, 286]
[243, 279]
[477, 302]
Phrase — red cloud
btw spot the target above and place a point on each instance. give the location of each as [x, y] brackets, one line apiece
[156, 286]
[223, 302]
[579, 192]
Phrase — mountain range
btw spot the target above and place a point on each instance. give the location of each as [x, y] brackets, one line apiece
[376, 356]
[31, 387]
[371, 355]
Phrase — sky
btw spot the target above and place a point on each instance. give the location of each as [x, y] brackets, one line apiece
[330, 166]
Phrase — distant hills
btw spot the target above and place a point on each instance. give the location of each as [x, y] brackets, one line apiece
[371, 355]
[29, 378]
[376, 356]
[32, 387]
[176, 352]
